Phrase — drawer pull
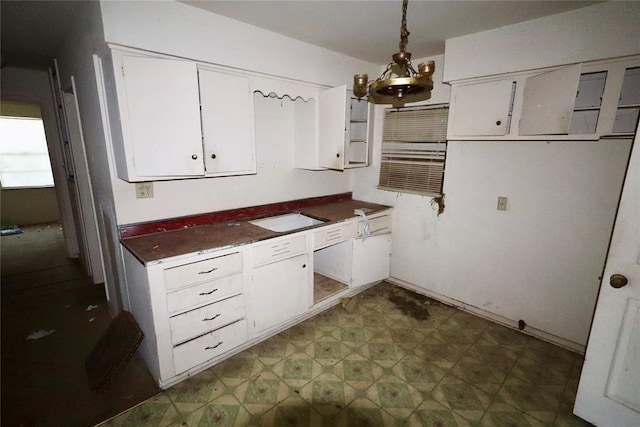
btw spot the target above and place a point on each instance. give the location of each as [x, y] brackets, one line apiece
[211, 318]
[212, 347]
[208, 293]
[208, 271]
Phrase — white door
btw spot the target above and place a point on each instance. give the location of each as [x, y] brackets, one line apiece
[227, 123]
[481, 109]
[332, 116]
[82, 190]
[162, 117]
[548, 101]
[279, 292]
[609, 390]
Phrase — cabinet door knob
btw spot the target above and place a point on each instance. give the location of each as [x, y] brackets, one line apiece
[304, 265]
[499, 122]
[213, 156]
[618, 281]
[338, 155]
[194, 156]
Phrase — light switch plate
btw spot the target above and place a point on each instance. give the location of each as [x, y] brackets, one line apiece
[502, 203]
[144, 190]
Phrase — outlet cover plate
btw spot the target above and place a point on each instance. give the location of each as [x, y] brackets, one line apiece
[502, 203]
[144, 190]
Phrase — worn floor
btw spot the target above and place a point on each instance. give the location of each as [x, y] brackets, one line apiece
[398, 360]
[43, 380]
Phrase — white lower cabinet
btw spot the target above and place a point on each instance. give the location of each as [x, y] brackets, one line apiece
[198, 310]
[191, 311]
[206, 347]
[371, 258]
[280, 281]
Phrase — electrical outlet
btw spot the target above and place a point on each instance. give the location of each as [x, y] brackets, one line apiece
[144, 190]
[502, 203]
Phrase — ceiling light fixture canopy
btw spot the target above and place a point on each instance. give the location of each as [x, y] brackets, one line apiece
[400, 82]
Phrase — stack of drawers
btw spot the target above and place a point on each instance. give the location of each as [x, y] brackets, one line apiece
[205, 303]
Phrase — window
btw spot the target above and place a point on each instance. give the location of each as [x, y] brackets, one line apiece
[414, 146]
[24, 158]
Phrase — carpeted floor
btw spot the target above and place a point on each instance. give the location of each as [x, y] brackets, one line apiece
[44, 380]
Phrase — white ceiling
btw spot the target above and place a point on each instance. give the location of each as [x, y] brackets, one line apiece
[370, 29]
[32, 31]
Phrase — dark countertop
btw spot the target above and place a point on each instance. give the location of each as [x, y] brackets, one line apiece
[152, 248]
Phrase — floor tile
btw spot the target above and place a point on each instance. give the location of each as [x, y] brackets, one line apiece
[466, 400]
[328, 394]
[397, 360]
[531, 400]
[196, 391]
[224, 411]
[155, 412]
[500, 414]
[433, 414]
[541, 375]
[479, 374]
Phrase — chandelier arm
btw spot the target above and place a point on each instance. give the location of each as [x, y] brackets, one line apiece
[385, 73]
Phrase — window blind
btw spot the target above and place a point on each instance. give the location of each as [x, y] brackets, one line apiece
[414, 150]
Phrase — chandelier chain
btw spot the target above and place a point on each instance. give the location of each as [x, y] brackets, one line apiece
[404, 33]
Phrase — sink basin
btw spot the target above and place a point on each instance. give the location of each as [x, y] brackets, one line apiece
[286, 222]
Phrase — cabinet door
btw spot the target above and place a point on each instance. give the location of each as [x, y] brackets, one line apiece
[548, 101]
[332, 116]
[162, 121]
[371, 259]
[280, 292]
[481, 109]
[227, 123]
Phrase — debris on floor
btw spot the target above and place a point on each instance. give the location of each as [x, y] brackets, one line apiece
[39, 334]
[91, 307]
[92, 319]
[113, 351]
[6, 231]
[349, 304]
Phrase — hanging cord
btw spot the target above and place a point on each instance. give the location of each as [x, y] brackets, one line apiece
[404, 33]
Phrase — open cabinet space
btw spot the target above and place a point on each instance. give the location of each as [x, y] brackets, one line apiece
[332, 271]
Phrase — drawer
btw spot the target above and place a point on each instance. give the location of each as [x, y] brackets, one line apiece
[201, 349]
[377, 225]
[204, 319]
[202, 271]
[334, 234]
[279, 249]
[203, 293]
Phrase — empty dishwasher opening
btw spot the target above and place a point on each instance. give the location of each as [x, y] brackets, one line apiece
[332, 270]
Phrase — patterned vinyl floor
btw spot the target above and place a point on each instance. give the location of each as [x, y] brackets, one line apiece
[399, 359]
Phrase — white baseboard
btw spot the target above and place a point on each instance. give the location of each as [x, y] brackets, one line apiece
[496, 318]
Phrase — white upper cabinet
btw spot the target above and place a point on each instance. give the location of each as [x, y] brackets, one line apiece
[161, 117]
[228, 131]
[343, 130]
[481, 109]
[578, 102]
[332, 113]
[181, 120]
[548, 102]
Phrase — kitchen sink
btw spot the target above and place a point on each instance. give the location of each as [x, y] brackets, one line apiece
[286, 222]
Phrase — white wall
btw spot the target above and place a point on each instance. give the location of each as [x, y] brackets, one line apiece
[180, 30]
[604, 30]
[539, 261]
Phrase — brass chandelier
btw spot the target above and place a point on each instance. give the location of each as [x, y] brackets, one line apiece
[399, 83]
